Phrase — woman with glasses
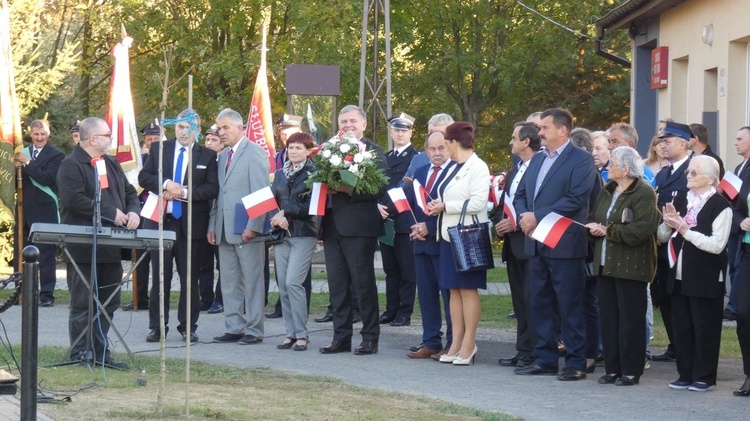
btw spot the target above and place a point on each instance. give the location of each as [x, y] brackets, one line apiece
[698, 259]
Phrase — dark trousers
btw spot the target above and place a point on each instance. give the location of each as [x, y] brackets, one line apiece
[206, 277]
[660, 297]
[178, 256]
[108, 278]
[591, 318]
[558, 284]
[734, 251]
[400, 278]
[142, 272]
[696, 325]
[518, 279]
[427, 267]
[742, 306]
[623, 324]
[350, 262]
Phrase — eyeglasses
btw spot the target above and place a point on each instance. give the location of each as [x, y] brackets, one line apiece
[109, 135]
[693, 173]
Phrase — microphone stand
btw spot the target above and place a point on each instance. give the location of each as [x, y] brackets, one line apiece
[94, 285]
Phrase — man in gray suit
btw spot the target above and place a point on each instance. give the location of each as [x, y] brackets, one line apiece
[243, 169]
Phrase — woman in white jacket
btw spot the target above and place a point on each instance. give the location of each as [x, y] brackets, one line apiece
[468, 181]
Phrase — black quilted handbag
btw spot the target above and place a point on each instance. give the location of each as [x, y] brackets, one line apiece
[471, 244]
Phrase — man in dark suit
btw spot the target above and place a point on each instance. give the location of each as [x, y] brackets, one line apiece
[177, 218]
[351, 226]
[427, 252]
[151, 133]
[742, 146]
[398, 259]
[524, 143]
[558, 180]
[671, 186]
[119, 207]
[39, 163]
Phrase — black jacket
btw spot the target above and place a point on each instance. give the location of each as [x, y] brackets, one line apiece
[39, 206]
[293, 198]
[76, 182]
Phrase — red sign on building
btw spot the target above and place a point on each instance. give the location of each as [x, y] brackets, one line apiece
[659, 67]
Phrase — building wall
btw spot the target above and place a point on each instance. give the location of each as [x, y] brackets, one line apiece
[708, 78]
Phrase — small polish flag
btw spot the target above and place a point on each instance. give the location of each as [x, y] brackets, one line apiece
[150, 207]
[259, 202]
[551, 229]
[421, 194]
[101, 171]
[731, 184]
[495, 190]
[318, 199]
[671, 253]
[509, 210]
[399, 199]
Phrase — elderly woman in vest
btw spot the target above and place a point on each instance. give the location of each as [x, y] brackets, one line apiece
[625, 219]
[696, 282]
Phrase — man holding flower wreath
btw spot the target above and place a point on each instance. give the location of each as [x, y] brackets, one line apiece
[351, 226]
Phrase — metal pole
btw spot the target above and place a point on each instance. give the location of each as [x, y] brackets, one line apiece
[29, 329]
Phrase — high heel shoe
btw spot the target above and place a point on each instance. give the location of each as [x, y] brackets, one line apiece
[285, 344]
[744, 390]
[466, 361]
[447, 358]
[298, 347]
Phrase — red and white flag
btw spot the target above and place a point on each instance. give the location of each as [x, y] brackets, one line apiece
[318, 197]
[495, 191]
[259, 119]
[151, 207]
[120, 115]
[399, 199]
[551, 229]
[101, 170]
[421, 195]
[671, 252]
[259, 202]
[509, 210]
[731, 184]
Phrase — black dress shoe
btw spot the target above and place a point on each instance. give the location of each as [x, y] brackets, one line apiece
[328, 317]
[385, 319]
[357, 318]
[525, 362]
[741, 392]
[47, 302]
[511, 315]
[273, 315]
[416, 348]
[193, 337]
[608, 379]
[110, 363]
[401, 321]
[249, 340]
[535, 370]
[367, 348]
[337, 346]
[205, 306]
[129, 307]
[155, 336]
[571, 374]
[228, 338]
[508, 362]
[729, 315]
[667, 356]
[626, 381]
[216, 307]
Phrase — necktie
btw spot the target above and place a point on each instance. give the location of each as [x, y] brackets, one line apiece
[176, 204]
[36, 152]
[229, 159]
[669, 170]
[433, 176]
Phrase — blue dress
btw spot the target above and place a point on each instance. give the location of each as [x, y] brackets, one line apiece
[448, 277]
